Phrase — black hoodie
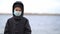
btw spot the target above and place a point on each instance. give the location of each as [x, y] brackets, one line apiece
[17, 24]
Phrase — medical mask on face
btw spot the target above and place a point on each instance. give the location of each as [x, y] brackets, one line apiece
[17, 13]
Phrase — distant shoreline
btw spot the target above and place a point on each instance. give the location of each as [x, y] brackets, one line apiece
[42, 14]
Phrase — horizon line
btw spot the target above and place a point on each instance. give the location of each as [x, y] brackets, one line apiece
[48, 14]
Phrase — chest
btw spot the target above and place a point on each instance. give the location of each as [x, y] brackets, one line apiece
[17, 24]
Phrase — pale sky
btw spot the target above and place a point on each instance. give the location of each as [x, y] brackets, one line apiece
[32, 6]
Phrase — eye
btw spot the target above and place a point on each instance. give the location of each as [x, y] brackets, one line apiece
[16, 10]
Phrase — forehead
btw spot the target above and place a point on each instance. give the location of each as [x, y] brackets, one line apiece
[17, 8]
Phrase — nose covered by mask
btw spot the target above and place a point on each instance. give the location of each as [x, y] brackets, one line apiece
[17, 13]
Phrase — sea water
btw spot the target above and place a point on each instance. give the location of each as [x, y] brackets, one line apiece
[39, 24]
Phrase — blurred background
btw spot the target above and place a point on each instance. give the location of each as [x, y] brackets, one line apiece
[43, 15]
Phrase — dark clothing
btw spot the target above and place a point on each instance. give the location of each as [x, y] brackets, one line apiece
[17, 25]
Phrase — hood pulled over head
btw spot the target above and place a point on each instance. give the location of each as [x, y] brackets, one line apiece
[18, 4]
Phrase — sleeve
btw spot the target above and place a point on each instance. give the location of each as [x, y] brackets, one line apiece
[6, 30]
[27, 28]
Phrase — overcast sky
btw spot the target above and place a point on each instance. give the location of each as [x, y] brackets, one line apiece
[32, 6]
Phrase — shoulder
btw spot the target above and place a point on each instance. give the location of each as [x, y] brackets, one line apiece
[24, 18]
[10, 19]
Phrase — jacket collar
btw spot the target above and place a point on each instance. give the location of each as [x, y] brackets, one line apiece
[17, 17]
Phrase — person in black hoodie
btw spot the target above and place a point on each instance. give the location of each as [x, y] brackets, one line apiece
[17, 24]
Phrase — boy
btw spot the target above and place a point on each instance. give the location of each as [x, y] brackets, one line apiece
[17, 24]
